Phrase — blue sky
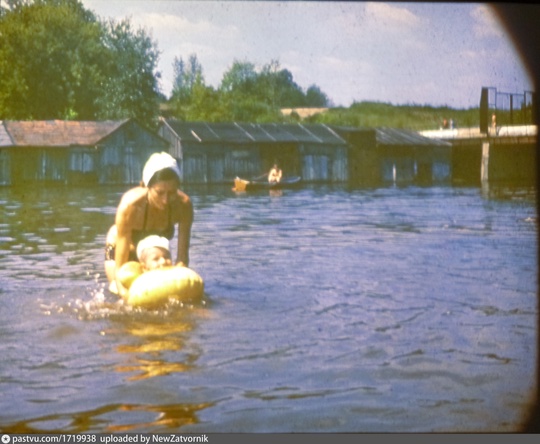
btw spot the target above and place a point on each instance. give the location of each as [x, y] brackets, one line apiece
[402, 53]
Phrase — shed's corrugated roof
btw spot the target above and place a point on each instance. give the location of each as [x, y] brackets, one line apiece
[323, 132]
[57, 133]
[257, 132]
[5, 139]
[394, 136]
[194, 132]
[230, 132]
[315, 133]
[306, 133]
[254, 132]
[286, 133]
[279, 132]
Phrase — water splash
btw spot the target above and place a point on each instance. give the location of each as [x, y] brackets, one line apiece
[99, 303]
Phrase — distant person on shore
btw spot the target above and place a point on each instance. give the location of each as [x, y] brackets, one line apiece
[274, 176]
[153, 208]
[493, 130]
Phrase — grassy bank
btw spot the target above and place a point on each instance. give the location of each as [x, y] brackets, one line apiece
[412, 117]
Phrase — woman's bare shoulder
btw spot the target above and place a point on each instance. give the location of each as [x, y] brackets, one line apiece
[132, 201]
[133, 196]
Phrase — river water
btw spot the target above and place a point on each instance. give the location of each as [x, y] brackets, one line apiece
[327, 309]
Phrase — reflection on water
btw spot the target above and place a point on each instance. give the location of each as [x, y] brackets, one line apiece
[510, 192]
[116, 418]
[326, 310]
[152, 338]
[165, 417]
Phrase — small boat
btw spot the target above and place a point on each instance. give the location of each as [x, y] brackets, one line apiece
[285, 182]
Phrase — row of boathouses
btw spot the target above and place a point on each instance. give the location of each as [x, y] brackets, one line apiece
[114, 152]
[71, 152]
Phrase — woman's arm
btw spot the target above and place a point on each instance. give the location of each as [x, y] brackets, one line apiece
[123, 241]
[185, 222]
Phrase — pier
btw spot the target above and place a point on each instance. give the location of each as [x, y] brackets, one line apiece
[500, 154]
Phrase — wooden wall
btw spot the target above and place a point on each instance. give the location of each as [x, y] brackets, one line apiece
[118, 159]
[122, 155]
[221, 163]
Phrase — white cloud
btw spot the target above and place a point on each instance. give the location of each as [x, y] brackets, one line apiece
[390, 16]
[399, 52]
[180, 26]
[486, 23]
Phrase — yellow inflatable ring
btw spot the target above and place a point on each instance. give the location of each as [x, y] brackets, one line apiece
[129, 272]
[156, 287]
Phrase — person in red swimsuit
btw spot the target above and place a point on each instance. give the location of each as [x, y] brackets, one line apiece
[154, 207]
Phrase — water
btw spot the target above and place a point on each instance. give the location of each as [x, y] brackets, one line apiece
[326, 310]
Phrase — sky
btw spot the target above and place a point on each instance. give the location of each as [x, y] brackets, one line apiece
[438, 54]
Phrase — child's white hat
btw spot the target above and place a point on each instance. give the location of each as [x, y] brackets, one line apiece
[152, 241]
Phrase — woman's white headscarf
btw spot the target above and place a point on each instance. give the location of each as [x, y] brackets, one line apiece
[158, 162]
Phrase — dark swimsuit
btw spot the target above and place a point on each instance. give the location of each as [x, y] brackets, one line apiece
[138, 235]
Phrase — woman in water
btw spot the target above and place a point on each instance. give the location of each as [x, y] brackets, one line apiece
[154, 207]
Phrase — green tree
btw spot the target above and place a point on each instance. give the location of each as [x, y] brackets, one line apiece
[239, 96]
[240, 78]
[245, 93]
[189, 89]
[315, 98]
[204, 104]
[48, 52]
[186, 76]
[248, 95]
[278, 88]
[179, 70]
[130, 88]
[57, 61]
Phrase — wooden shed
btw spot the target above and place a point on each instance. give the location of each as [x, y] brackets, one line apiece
[391, 155]
[218, 152]
[407, 156]
[103, 152]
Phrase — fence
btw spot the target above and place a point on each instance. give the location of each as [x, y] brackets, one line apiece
[499, 108]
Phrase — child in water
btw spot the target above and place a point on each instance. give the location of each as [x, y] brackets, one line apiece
[153, 252]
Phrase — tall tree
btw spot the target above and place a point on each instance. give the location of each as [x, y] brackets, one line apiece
[186, 75]
[204, 104]
[245, 93]
[179, 70]
[188, 87]
[240, 77]
[273, 87]
[48, 53]
[130, 88]
[58, 61]
[316, 98]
